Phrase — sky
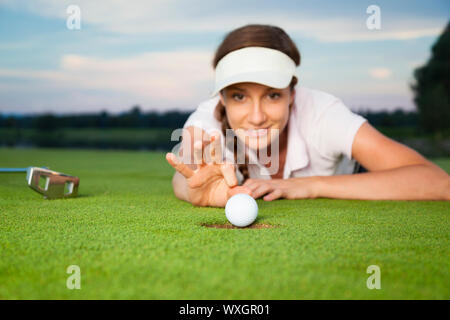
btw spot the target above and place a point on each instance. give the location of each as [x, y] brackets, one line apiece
[157, 53]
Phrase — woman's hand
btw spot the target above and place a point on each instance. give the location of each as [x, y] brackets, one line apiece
[212, 183]
[293, 188]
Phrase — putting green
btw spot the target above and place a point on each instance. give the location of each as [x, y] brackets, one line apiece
[132, 238]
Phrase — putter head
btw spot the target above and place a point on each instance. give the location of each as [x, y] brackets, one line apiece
[52, 184]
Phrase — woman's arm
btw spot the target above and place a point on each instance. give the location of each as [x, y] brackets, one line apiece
[414, 182]
[396, 172]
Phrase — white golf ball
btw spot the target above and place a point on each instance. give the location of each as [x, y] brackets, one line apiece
[241, 210]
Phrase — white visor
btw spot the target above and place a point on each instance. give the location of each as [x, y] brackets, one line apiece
[261, 65]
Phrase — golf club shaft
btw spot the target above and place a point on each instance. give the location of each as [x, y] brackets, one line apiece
[13, 170]
[9, 170]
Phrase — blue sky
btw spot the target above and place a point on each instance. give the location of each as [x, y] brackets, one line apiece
[157, 53]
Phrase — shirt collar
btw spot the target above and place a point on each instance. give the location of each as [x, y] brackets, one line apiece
[297, 155]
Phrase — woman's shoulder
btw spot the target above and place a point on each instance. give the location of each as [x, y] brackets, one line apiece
[208, 105]
[314, 106]
[326, 122]
[314, 101]
[203, 117]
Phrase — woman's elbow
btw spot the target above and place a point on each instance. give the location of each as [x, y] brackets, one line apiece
[446, 188]
[441, 183]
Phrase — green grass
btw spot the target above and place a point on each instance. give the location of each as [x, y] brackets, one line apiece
[133, 239]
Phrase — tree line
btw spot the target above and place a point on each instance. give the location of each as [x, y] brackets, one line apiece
[135, 118]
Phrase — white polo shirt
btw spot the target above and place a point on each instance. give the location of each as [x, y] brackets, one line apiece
[321, 130]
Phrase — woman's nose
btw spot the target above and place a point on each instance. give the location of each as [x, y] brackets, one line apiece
[257, 116]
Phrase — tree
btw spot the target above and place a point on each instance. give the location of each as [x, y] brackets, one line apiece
[432, 87]
[46, 122]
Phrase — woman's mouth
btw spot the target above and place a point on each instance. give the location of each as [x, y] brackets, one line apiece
[256, 132]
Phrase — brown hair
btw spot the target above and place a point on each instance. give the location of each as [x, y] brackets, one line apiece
[253, 35]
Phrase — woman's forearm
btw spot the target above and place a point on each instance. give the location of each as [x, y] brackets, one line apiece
[414, 182]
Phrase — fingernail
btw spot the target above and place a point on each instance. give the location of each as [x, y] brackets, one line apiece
[174, 159]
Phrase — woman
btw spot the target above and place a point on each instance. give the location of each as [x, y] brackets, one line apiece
[315, 137]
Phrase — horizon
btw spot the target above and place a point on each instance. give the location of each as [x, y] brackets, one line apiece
[162, 112]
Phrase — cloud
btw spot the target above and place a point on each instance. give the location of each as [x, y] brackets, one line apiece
[162, 16]
[380, 73]
[159, 80]
[169, 76]
[181, 79]
[381, 35]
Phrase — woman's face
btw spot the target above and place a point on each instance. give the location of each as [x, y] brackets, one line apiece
[257, 113]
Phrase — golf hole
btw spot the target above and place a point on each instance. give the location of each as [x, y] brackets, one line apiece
[230, 226]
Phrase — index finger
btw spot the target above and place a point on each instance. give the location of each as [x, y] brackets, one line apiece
[179, 166]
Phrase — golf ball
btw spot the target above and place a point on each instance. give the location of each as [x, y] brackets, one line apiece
[241, 210]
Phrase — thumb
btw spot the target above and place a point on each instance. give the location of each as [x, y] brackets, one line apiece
[239, 189]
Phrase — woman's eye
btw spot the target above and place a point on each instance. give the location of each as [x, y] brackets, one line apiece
[238, 95]
[274, 95]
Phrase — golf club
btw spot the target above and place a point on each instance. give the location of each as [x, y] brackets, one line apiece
[51, 184]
